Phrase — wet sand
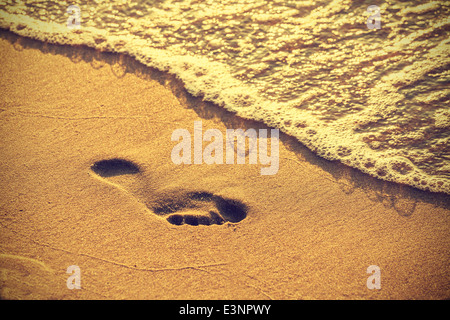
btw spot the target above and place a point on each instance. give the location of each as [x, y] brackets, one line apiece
[311, 230]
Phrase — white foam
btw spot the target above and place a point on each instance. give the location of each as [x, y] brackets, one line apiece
[373, 99]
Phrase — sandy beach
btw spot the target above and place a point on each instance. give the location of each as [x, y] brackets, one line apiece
[310, 231]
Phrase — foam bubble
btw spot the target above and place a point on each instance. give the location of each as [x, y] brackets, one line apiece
[377, 100]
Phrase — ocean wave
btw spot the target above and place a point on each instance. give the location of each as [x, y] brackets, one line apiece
[375, 99]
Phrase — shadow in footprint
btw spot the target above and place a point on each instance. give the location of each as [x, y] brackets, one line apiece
[231, 210]
[200, 208]
[180, 207]
[114, 167]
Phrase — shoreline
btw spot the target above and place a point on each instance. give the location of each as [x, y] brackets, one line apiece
[55, 214]
[367, 153]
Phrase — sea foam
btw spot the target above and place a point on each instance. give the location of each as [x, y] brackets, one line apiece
[375, 99]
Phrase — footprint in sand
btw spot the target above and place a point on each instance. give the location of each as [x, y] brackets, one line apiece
[180, 207]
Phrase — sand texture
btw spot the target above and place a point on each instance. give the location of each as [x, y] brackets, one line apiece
[374, 98]
[309, 232]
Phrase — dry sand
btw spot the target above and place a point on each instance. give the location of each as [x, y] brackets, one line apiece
[310, 233]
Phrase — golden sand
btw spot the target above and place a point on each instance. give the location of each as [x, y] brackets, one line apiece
[311, 231]
[374, 98]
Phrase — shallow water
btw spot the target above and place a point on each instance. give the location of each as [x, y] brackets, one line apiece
[375, 99]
